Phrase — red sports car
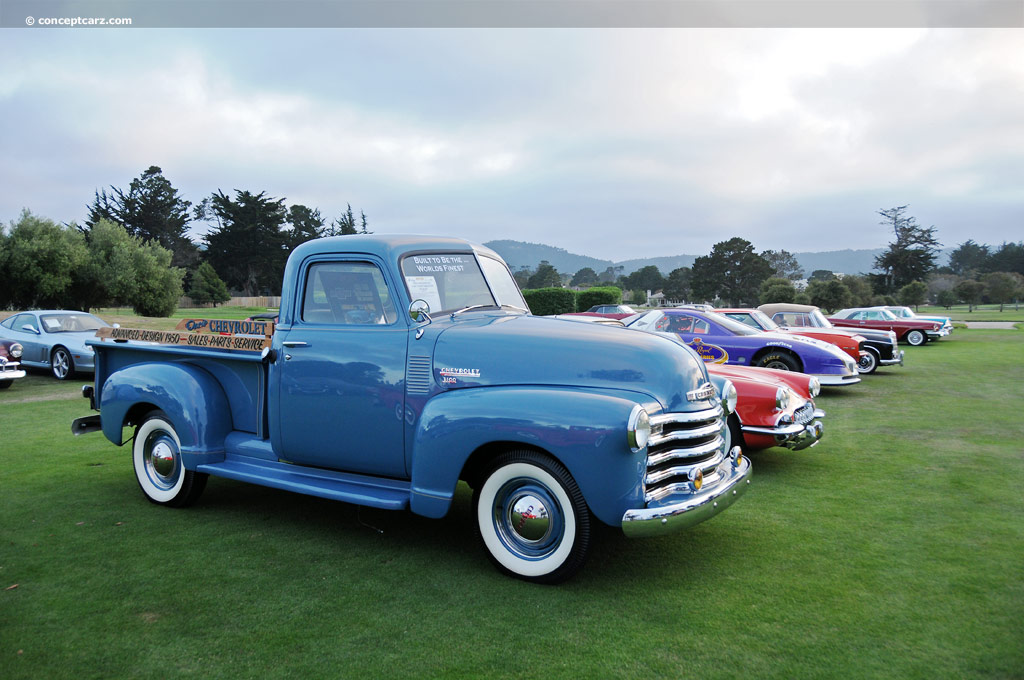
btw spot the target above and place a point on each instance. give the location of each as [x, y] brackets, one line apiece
[773, 408]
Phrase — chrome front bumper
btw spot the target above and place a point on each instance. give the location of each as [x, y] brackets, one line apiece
[834, 380]
[690, 508]
[12, 374]
[898, 359]
[794, 436]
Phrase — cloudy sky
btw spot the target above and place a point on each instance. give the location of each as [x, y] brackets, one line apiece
[607, 142]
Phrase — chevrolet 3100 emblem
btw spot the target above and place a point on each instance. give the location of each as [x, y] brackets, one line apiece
[705, 391]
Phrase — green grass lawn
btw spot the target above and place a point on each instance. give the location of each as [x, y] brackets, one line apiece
[980, 313]
[893, 549]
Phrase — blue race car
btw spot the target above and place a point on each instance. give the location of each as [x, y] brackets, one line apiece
[721, 340]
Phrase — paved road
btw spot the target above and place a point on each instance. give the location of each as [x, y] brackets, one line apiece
[1005, 325]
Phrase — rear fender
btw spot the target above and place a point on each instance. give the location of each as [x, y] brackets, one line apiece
[584, 430]
[193, 400]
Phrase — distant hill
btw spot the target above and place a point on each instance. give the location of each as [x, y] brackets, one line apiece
[519, 254]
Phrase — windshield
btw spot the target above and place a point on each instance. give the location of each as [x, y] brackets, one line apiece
[731, 325]
[70, 323]
[888, 316]
[446, 281]
[902, 312]
[763, 319]
[819, 320]
[502, 284]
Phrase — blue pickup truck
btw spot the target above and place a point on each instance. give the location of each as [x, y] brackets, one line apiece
[402, 364]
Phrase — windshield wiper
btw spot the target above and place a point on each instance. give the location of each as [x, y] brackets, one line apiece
[471, 307]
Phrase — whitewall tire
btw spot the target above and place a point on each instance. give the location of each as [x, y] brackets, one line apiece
[532, 518]
[156, 456]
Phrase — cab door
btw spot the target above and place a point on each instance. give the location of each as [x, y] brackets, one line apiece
[341, 371]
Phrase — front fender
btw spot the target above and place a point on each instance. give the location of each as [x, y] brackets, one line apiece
[585, 430]
[193, 400]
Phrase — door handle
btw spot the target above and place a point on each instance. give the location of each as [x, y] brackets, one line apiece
[295, 343]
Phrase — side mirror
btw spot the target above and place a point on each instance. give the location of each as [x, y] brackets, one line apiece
[30, 328]
[117, 325]
[419, 311]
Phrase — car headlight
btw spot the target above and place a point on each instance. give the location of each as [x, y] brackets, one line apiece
[814, 387]
[638, 428]
[15, 351]
[782, 398]
[729, 397]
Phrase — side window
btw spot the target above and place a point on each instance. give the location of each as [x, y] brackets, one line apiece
[701, 326]
[350, 293]
[25, 320]
[857, 316]
[9, 322]
[874, 316]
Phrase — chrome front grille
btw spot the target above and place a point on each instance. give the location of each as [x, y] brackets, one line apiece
[679, 443]
[804, 414]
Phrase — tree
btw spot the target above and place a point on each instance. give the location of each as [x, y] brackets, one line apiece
[913, 294]
[345, 224]
[829, 295]
[207, 286]
[937, 283]
[42, 263]
[821, 275]
[546, 276]
[970, 291]
[784, 264]
[1008, 258]
[611, 274]
[777, 289]
[159, 284]
[150, 209]
[860, 290]
[733, 272]
[946, 298]
[911, 255]
[246, 245]
[677, 286]
[584, 277]
[969, 258]
[644, 279]
[306, 225]
[522, 277]
[1000, 287]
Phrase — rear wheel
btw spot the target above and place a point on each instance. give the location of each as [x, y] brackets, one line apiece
[868, 362]
[61, 363]
[156, 455]
[4, 384]
[532, 519]
[779, 361]
[916, 338]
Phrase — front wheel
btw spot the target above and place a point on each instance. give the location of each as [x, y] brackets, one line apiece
[778, 361]
[4, 384]
[156, 455]
[61, 363]
[916, 338]
[868, 363]
[532, 519]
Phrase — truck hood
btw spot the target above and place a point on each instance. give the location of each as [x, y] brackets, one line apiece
[492, 349]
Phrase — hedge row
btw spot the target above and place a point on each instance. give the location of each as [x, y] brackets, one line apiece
[545, 301]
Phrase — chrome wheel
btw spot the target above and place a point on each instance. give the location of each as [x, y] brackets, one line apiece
[61, 364]
[915, 338]
[868, 363]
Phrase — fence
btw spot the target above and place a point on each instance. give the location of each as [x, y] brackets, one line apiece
[265, 301]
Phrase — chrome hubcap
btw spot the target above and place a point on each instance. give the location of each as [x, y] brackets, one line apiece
[528, 518]
[162, 460]
[60, 364]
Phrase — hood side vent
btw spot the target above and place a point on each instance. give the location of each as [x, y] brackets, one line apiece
[418, 375]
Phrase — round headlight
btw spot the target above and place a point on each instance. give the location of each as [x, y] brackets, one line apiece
[729, 397]
[638, 428]
[814, 387]
[15, 351]
[782, 398]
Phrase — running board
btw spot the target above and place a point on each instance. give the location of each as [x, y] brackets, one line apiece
[375, 492]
